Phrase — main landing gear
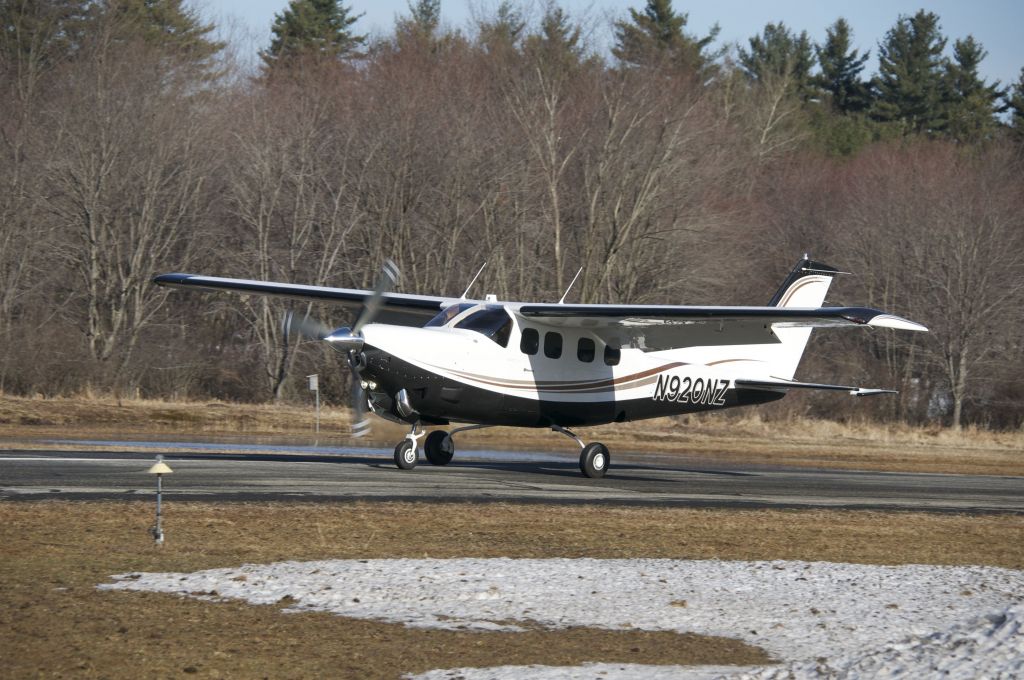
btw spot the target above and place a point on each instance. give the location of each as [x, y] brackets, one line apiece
[439, 448]
[594, 457]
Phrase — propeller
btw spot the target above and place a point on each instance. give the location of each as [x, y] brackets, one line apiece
[350, 340]
[306, 326]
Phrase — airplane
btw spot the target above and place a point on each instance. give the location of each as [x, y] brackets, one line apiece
[425, 360]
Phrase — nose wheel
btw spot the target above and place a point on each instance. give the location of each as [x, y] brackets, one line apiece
[407, 452]
[406, 455]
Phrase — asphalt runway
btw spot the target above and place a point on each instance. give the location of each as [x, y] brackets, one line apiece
[273, 473]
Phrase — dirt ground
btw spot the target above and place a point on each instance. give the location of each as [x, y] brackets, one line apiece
[717, 436]
[54, 623]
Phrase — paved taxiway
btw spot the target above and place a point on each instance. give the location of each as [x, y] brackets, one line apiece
[293, 473]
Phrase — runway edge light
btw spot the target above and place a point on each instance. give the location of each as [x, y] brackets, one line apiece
[160, 468]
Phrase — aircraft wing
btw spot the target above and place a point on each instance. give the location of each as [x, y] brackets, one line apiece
[398, 308]
[676, 326]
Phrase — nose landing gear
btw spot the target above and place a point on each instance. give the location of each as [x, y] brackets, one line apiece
[407, 451]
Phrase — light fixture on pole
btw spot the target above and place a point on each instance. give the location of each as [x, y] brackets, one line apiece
[160, 468]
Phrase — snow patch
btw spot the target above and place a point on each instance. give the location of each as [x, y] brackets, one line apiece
[841, 619]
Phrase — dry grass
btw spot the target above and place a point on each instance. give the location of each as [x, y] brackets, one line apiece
[741, 440]
[55, 623]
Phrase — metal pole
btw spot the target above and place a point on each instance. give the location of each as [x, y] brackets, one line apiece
[159, 510]
[318, 411]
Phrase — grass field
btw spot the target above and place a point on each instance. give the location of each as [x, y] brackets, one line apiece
[55, 623]
[742, 440]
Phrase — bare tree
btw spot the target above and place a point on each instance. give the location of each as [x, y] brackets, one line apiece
[126, 174]
[294, 192]
[941, 234]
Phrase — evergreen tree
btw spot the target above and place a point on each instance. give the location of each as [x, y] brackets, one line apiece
[1015, 104]
[424, 18]
[167, 24]
[778, 54]
[505, 30]
[656, 36]
[910, 75]
[37, 33]
[557, 46]
[312, 28]
[841, 68]
[973, 105]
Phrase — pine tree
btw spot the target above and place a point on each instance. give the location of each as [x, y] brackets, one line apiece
[38, 33]
[169, 23]
[424, 19]
[1015, 104]
[656, 36]
[973, 105]
[841, 68]
[910, 75]
[318, 29]
[505, 30]
[557, 46]
[777, 54]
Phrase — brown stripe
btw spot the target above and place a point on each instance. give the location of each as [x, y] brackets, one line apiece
[795, 287]
[558, 386]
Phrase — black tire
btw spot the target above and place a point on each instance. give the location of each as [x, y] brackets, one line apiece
[439, 448]
[406, 455]
[594, 460]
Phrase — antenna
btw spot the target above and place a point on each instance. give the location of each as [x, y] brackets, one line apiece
[480, 271]
[562, 301]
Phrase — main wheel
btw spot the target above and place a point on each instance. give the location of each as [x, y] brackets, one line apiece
[594, 460]
[439, 448]
[406, 455]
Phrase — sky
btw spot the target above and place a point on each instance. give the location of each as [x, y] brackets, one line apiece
[995, 23]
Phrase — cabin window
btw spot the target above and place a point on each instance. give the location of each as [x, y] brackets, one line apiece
[493, 322]
[552, 345]
[530, 341]
[585, 350]
[612, 355]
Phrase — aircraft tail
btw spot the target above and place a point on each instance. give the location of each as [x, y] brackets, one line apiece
[805, 286]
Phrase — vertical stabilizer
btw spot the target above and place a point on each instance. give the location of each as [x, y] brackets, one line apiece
[805, 286]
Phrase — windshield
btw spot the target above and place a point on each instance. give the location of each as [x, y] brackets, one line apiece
[492, 322]
[449, 313]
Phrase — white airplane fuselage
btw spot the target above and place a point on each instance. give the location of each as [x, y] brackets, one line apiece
[458, 375]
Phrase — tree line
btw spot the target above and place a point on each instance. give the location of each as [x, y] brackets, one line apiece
[670, 170]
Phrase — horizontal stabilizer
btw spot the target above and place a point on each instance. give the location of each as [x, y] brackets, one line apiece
[790, 384]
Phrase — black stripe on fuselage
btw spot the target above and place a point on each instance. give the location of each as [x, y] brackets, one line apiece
[439, 399]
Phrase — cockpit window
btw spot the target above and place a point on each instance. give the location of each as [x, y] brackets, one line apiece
[493, 322]
[449, 313]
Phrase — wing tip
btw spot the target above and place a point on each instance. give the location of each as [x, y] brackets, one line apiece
[171, 279]
[897, 323]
